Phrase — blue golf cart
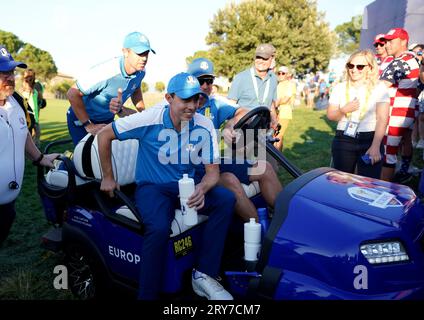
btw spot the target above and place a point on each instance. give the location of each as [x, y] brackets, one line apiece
[332, 235]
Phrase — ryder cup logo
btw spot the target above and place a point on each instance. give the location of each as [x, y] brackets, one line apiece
[4, 52]
[204, 65]
[191, 80]
[143, 39]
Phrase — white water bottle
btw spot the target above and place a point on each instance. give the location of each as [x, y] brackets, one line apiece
[252, 240]
[186, 189]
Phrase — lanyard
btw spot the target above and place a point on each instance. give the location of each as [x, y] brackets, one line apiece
[255, 86]
[363, 108]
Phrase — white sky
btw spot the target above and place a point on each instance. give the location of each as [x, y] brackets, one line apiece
[81, 33]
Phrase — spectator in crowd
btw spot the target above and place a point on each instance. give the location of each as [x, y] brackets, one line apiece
[15, 141]
[332, 77]
[100, 93]
[361, 107]
[233, 174]
[401, 77]
[33, 94]
[383, 59]
[286, 93]
[157, 178]
[419, 125]
[257, 85]
[310, 92]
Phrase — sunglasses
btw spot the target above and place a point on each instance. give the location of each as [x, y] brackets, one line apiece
[360, 67]
[281, 73]
[208, 81]
[379, 44]
[419, 53]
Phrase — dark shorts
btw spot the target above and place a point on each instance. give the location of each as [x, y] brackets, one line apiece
[240, 170]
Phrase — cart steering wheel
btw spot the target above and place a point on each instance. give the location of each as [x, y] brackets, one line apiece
[258, 118]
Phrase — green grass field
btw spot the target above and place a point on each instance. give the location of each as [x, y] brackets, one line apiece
[26, 270]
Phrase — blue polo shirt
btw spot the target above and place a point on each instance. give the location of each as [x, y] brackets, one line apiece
[243, 91]
[165, 154]
[101, 83]
[218, 111]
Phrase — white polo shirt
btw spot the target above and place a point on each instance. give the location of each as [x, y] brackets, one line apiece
[13, 135]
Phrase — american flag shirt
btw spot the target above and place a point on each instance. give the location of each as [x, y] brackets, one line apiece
[384, 63]
[403, 73]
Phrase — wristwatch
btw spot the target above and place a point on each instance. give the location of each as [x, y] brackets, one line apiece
[86, 123]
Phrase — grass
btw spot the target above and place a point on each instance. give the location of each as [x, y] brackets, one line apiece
[26, 270]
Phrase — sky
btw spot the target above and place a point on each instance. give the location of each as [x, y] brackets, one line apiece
[81, 33]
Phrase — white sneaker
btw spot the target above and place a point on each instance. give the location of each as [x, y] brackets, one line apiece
[207, 287]
[420, 144]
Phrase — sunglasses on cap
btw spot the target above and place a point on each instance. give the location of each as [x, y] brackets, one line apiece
[208, 81]
[379, 44]
[360, 67]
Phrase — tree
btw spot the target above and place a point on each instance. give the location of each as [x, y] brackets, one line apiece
[297, 30]
[349, 35]
[160, 86]
[199, 54]
[39, 60]
[144, 87]
[60, 89]
[11, 42]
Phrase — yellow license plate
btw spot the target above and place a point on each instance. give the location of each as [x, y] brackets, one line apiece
[183, 246]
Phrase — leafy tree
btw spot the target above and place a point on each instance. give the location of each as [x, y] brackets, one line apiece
[39, 60]
[160, 86]
[296, 29]
[11, 42]
[144, 87]
[199, 54]
[349, 35]
[60, 89]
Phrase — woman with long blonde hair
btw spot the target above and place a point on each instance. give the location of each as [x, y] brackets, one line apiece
[360, 104]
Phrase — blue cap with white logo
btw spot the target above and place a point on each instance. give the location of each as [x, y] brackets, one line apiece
[7, 63]
[137, 42]
[201, 67]
[185, 85]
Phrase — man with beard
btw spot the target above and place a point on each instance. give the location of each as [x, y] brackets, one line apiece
[99, 94]
[401, 77]
[15, 141]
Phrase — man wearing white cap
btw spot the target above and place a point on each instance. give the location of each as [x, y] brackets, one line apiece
[286, 92]
[100, 93]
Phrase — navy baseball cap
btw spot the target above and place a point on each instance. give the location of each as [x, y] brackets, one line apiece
[137, 42]
[201, 67]
[185, 85]
[7, 62]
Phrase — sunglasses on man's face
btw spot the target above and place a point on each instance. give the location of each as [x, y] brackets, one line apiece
[281, 73]
[208, 81]
[379, 44]
[419, 53]
[360, 67]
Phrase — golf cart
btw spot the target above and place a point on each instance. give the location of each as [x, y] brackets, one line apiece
[332, 235]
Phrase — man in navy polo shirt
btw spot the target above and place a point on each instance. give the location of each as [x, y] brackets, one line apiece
[173, 138]
[99, 94]
[220, 111]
